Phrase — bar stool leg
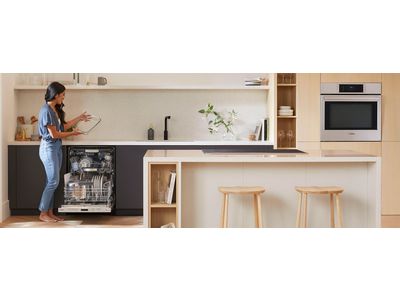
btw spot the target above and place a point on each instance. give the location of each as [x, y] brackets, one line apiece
[332, 205]
[256, 210]
[223, 211]
[259, 217]
[305, 210]
[339, 211]
[226, 210]
[299, 207]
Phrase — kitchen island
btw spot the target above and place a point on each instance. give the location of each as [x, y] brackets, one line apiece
[197, 202]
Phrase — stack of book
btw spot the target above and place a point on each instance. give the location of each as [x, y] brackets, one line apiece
[256, 82]
[171, 187]
[262, 130]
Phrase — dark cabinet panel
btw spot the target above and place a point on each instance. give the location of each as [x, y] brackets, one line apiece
[129, 177]
[31, 177]
[12, 176]
[27, 179]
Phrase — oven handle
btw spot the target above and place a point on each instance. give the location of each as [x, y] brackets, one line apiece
[348, 98]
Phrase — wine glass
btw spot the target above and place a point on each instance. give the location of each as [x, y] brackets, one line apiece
[281, 136]
[290, 136]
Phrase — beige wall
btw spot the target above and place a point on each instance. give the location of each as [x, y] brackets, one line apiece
[7, 111]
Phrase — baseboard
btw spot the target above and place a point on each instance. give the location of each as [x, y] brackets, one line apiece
[5, 210]
[128, 212]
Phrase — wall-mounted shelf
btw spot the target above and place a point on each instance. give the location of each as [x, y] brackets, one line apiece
[286, 117]
[147, 87]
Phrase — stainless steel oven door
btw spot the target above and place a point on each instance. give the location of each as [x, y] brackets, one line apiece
[350, 117]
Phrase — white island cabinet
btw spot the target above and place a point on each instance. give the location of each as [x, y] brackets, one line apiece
[197, 203]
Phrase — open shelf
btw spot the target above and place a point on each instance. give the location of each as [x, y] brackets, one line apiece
[286, 125]
[159, 212]
[286, 84]
[147, 87]
[163, 205]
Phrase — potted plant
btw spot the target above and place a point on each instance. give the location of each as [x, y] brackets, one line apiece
[216, 120]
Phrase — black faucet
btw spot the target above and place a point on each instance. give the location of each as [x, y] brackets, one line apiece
[165, 128]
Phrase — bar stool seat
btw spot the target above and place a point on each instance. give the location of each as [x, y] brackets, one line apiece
[243, 190]
[302, 203]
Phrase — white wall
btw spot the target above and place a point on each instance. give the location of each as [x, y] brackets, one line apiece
[127, 114]
[7, 113]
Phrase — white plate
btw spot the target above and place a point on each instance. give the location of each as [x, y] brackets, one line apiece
[285, 107]
[285, 111]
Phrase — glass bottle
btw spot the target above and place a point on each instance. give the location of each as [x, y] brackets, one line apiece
[160, 189]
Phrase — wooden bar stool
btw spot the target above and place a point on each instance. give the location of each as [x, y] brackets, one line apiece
[256, 191]
[302, 203]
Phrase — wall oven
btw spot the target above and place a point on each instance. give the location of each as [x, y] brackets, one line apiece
[350, 112]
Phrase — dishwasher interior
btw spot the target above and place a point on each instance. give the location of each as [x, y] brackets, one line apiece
[90, 181]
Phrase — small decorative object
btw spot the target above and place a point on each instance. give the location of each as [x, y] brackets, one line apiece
[101, 81]
[216, 119]
[20, 134]
[150, 133]
[169, 225]
[252, 136]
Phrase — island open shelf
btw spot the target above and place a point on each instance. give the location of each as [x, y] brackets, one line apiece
[162, 205]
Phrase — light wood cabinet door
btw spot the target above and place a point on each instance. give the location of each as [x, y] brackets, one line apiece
[351, 77]
[390, 178]
[391, 107]
[308, 107]
[372, 148]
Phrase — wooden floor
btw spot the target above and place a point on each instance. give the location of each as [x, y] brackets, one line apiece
[75, 221]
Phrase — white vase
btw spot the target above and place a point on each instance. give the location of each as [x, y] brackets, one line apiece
[228, 136]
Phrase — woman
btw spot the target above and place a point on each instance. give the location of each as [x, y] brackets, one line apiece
[52, 126]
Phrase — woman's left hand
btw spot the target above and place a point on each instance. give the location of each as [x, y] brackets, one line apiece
[84, 117]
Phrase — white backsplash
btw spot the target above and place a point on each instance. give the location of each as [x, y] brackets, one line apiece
[126, 115]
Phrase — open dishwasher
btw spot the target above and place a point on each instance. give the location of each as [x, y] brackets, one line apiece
[89, 185]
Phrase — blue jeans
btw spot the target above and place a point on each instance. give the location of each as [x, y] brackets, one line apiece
[51, 156]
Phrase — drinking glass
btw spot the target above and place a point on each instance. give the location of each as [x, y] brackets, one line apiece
[281, 136]
[288, 78]
[283, 78]
[280, 78]
[290, 136]
[160, 189]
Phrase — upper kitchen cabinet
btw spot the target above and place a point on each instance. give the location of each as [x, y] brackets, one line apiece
[351, 77]
[308, 107]
[391, 107]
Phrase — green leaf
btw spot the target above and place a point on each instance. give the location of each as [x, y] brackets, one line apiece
[202, 111]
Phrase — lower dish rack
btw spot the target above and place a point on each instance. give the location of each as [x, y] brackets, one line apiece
[89, 187]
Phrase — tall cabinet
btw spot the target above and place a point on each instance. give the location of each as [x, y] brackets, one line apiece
[286, 111]
[390, 144]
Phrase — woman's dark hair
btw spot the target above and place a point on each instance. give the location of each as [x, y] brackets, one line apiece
[55, 88]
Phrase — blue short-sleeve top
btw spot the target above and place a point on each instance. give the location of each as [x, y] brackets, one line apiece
[47, 116]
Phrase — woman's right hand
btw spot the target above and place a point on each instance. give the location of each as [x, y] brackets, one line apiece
[76, 131]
